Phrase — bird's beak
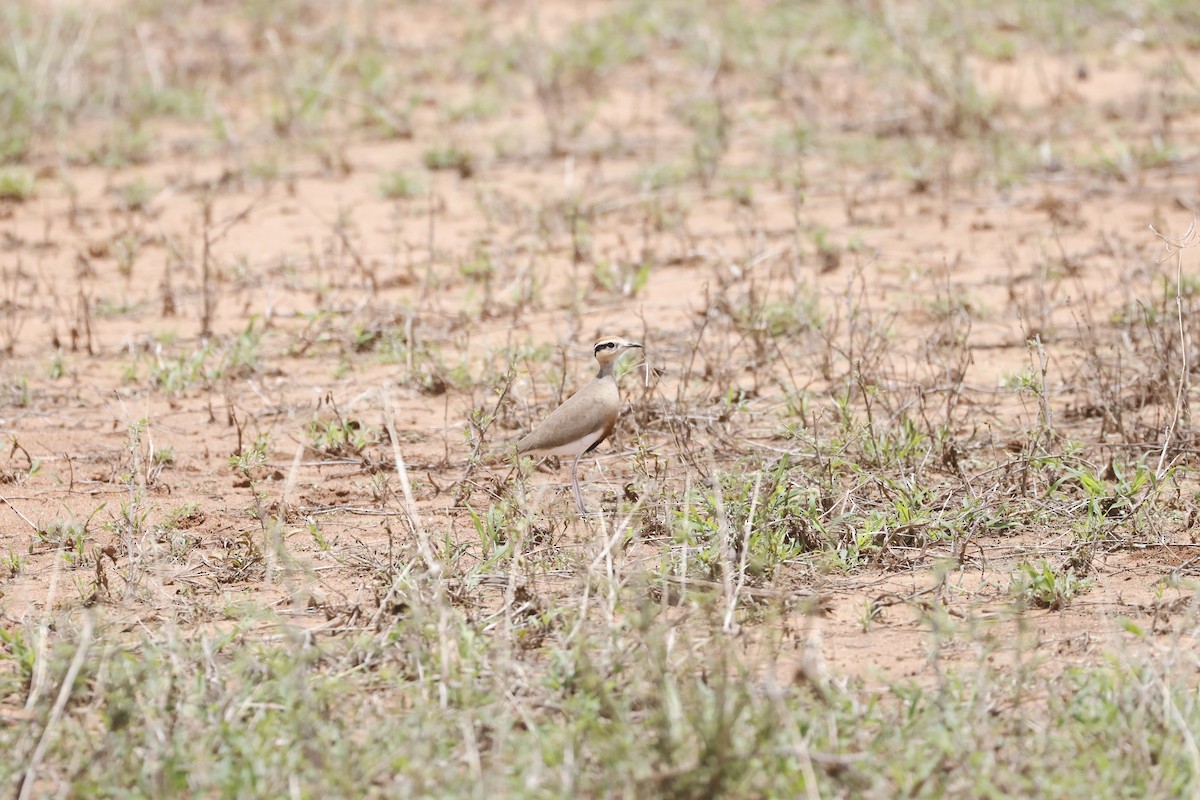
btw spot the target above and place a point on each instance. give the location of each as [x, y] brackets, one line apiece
[632, 344]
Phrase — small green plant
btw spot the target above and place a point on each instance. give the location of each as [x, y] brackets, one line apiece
[107, 308]
[659, 176]
[829, 254]
[623, 279]
[16, 184]
[240, 358]
[871, 612]
[1046, 587]
[185, 516]
[57, 366]
[19, 394]
[401, 186]
[480, 268]
[340, 437]
[14, 142]
[265, 168]
[768, 518]
[14, 562]
[68, 536]
[710, 126]
[741, 194]
[15, 648]
[1024, 381]
[125, 143]
[240, 559]
[318, 536]
[450, 157]
[946, 306]
[425, 369]
[125, 250]
[173, 529]
[1118, 499]
[246, 461]
[176, 374]
[136, 196]
[896, 444]
[492, 527]
[1178, 286]
[773, 319]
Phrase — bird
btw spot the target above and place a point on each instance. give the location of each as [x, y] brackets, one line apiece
[586, 419]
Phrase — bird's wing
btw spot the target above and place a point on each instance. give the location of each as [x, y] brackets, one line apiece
[591, 410]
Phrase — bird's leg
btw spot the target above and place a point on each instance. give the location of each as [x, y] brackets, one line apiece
[575, 485]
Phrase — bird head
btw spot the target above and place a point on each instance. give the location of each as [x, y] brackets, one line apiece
[610, 347]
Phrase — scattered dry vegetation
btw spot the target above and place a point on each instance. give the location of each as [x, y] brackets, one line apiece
[903, 501]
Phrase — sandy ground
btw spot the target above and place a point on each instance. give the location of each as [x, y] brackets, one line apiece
[313, 268]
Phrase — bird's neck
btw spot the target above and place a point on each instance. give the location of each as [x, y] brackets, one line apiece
[605, 371]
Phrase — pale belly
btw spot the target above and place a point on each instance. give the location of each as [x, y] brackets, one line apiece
[576, 447]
